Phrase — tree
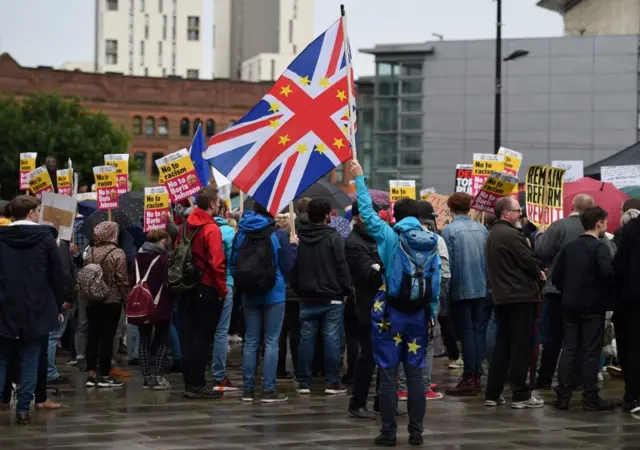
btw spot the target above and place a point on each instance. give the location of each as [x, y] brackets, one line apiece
[54, 126]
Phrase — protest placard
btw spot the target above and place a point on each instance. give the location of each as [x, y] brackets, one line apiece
[574, 170]
[39, 181]
[483, 166]
[106, 187]
[399, 189]
[545, 186]
[27, 164]
[178, 175]
[621, 176]
[425, 192]
[86, 196]
[512, 161]
[59, 211]
[65, 181]
[156, 208]
[121, 163]
[440, 207]
[496, 186]
[464, 178]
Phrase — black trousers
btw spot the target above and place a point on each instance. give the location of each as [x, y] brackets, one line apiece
[351, 332]
[449, 337]
[43, 367]
[584, 337]
[626, 319]
[553, 338]
[291, 329]
[365, 365]
[103, 322]
[199, 312]
[514, 341]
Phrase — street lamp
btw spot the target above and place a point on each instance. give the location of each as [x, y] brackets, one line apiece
[498, 94]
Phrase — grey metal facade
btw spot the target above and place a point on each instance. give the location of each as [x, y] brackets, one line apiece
[571, 98]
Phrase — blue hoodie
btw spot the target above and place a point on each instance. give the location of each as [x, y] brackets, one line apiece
[227, 241]
[284, 256]
[388, 239]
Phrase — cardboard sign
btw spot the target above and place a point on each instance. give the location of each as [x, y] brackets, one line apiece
[27, 164]
[574, 170]
[106, 187]
[399, 189]
[483, 166]
[440, 207]
[512, 161]
[178, 175]
[621, 176]
[86, 196]
[498, 185]
[121, 163]
[65, 181]
[464, 178]
[60, 211]
[545, 186]
[426, 191]
[156, 208]
[39, 181]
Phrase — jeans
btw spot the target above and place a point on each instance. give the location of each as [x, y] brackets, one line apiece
[199, 313]
[221, 339]
[103, 321]
[133, 342]
[492, 331]
[43, 368]
[471, 321]
[255, 317]
[514, 342]
[427, 372]
[82, 329]
[290, 329]
[26, 351]
[365, 365]
[52, 346]
[328, 317]
[552, 332]
[449, 337]
[388, 399]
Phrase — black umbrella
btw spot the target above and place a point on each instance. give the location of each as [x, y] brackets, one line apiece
[129, 214]
[328, 191]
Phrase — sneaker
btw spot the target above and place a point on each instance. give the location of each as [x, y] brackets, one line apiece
[433, 386]
[235, 338]
[202, 392]
[161, 384]
[561, 403]
[385, 441]
[403, 396]
[634, 407]
[224, 385]
[91, 382]
[149, 382]
[361, 413]
[274, 397]
[457, 364]
[335, 389]
[73, 362]
[248, 396]
[600, 377]
[493, 403]
[431, 395]
[615, 371]
[108, 382]
[466, 386]
[599, 405]
[416, 439]
[116, 372]
[303, 391]
[23, 419]
[533, 402]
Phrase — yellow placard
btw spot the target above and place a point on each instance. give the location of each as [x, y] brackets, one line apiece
[121, 164]
[156, 208]
[399, 189]
[106, 187]
[178, 175]
[484, 164]
[512, 160]
[496, 186]
[39, 181]
[64, 179]
[545, 192]
[27, 164]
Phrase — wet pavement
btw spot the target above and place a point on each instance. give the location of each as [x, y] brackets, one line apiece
[131, 418]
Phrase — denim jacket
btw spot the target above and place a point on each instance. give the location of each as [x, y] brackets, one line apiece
[466, 240]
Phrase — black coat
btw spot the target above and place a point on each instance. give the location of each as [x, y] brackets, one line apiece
[31, 281]
[321, 271]
[584, 275]
[626, 262]
[68, 272]
[362, 253]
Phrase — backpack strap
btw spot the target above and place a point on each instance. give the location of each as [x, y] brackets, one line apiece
[135, 260]
[146, 275]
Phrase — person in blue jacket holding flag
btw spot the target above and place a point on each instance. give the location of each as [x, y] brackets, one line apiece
[404, 309]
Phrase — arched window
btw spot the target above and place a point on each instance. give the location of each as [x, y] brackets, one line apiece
[141, 161]
[150, 126]
[155, 173]
[196, 122]
[184, 127]
[211, 128]
[163, 127]
[137, 125]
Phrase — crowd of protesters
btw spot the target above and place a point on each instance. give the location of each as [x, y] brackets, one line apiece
[396, 290]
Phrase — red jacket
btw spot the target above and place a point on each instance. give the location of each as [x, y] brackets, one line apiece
[207, 250]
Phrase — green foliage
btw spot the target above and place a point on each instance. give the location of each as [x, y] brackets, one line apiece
[51, 125]
[139, 181]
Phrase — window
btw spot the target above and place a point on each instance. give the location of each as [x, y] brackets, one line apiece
[211, 128]
[141, 5]
[164, 27]
[160, 6]
[184, 127]
[193, 28]
[136, 125]
[411, 158]
[146, 71]
[412, 87]
[112, 5]
[412, 69]
[150, 126]
[387, 116]
[411, 122]
[340, 174]
[410, 141]
[160, 53]
[192, 74]
[387, 146]
[140, 159]
[163, 127]
[146, 26]
[295, 49]
[155, 173]
[111, 51]
[290, 31]
[196, 124]
[142, 53]
[173, 28]
[386, 69]
[387, 88]
[164, 72]
[273, 70]
[411, 105]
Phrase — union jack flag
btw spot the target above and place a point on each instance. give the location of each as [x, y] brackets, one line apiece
[298, 132]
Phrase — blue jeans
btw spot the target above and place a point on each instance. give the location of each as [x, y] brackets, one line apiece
[26, 351]
[221, 339]
[471, 320]
[492, 330]
[254, 317]
[174, 343]
[426, 373]
[331, 318]
[388, 399]
[133, 342]
[54, 337]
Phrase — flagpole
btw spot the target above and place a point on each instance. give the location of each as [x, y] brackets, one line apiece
[343, 20]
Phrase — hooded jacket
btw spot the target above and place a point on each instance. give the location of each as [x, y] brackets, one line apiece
[112, 259]
[31, 280]
[228, 233]
[284, 256]
[207, 250]
[321, 271]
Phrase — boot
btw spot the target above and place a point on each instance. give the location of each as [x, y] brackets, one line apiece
[466, 386]
[477, 383]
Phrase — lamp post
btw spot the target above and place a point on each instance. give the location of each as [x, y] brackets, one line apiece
[497, 132]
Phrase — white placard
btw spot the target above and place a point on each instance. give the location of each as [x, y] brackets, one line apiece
[574, 169]
[64, 203]
[402, 183]
[621, 176]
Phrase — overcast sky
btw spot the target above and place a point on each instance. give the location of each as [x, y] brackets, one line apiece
[50, 32]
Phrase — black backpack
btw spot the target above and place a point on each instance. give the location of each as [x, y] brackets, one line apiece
[183, 273]
[255, 267]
